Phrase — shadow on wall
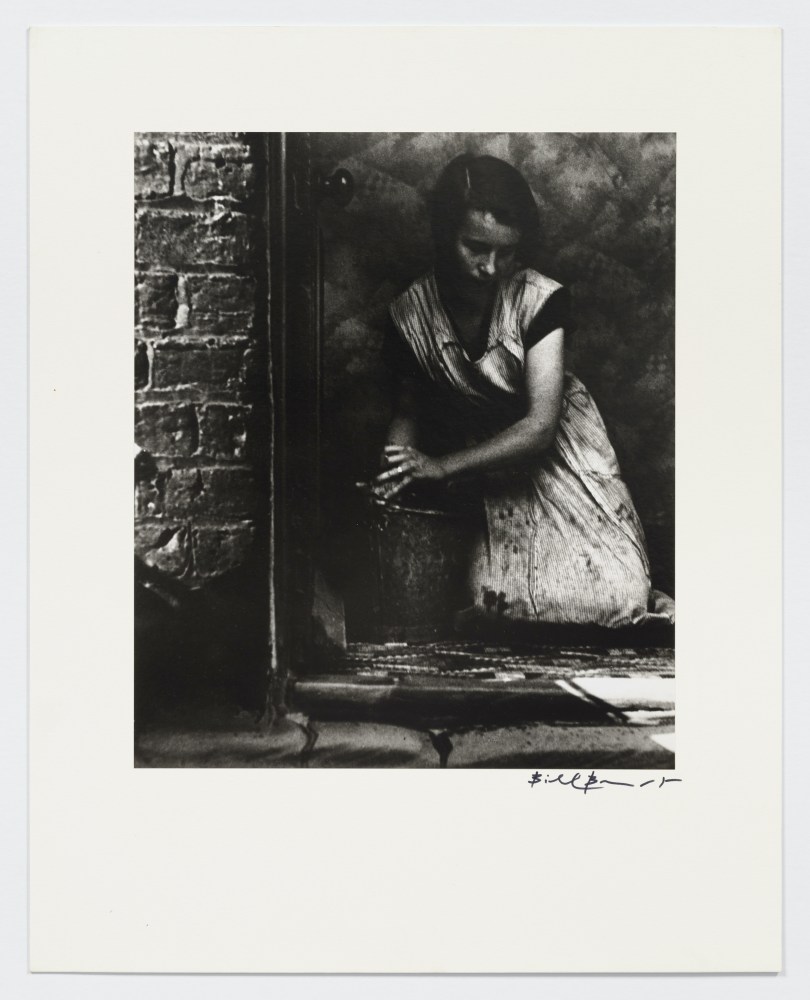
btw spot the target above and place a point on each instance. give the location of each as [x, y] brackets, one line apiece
[196, 646]
[607, 207]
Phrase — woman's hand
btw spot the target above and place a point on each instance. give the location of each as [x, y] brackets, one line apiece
[406, 465]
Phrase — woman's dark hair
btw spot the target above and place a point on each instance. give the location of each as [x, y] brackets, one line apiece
[488, 184]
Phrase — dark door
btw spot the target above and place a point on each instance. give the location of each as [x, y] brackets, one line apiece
[296, 189]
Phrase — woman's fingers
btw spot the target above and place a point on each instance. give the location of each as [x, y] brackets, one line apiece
[392, 454]
[394, 451]
[393, 488]
[403, 468]
[390, 474]
[397, 470]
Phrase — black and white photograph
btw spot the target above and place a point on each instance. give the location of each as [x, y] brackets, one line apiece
[457, 365]
[404, 459]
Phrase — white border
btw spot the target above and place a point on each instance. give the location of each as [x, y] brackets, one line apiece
[145, 857]
[796, 365]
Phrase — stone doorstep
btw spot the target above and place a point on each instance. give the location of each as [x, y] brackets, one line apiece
[531, 746]
[650, 693]
[374, 745]
[538, 746]
[238, 745]
[439, 703]
[501, 719]
[447, 702]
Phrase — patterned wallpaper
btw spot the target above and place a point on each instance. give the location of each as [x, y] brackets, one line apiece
[607, 207]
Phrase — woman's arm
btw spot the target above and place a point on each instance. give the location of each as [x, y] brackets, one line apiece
[528, 438]
[532, 434]
[402, 431]
[405, 385]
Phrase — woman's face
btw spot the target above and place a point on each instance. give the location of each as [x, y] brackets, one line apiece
[484, 250]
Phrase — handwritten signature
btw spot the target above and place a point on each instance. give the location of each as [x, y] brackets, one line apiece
[590, 783]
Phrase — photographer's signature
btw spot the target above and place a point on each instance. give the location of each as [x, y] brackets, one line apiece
[590, 783]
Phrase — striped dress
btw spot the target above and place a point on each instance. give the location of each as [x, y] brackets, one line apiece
[562, 541]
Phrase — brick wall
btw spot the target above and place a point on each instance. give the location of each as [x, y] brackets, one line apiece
[200, 358]
[201, 413]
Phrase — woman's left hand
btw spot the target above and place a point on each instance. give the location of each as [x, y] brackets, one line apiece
[406, 465]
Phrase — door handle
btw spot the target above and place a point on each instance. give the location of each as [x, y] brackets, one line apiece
[338, 187]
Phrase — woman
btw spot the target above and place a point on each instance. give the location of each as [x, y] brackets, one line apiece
[477, 345]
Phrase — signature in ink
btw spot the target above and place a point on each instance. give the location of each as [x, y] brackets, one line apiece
[590, 783]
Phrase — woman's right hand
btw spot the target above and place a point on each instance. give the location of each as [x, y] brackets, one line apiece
[405, 465]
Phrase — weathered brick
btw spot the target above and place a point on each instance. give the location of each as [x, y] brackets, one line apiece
[221, 303]
[155, 301]
[181, 491]
[153, 169]
[191, 137]
[222, 548]
[211, 492]
[164, 545]
[141, 365]
[178, 362]
[224, 431]
[218, 171]
[166, 429]
[232, 492]
[149, 496]
[177, 239]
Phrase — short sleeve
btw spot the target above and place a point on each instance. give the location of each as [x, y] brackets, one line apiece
[397, 356]
[555, 313]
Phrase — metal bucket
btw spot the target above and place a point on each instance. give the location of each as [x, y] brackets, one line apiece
[419, 559]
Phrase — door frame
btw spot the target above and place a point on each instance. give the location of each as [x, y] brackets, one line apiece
[295, 310]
